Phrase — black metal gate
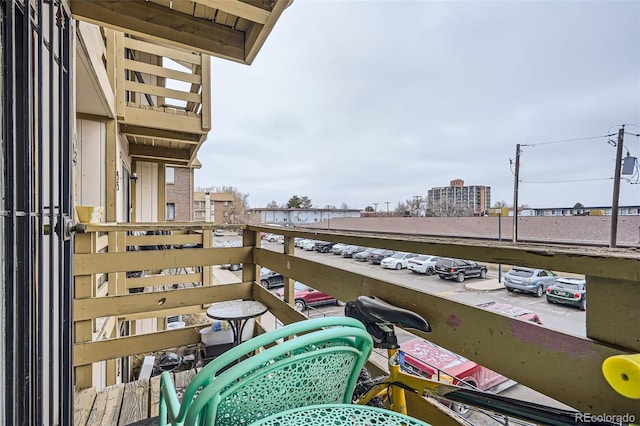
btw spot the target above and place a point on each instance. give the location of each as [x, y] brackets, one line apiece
[36, 204]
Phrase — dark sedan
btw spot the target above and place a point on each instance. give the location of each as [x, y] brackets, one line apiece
[377, 256]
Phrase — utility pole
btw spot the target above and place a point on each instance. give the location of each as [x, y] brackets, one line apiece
[375, 209]
[616, 189]
[515, 195]
[388, 215]
[500, 239]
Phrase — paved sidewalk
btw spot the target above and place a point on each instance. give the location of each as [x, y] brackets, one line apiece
[488, 284]
[224, 276]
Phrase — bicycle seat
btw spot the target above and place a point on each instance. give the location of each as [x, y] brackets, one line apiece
[371, 309]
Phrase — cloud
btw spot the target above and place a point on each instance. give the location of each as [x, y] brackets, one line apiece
[363, 102]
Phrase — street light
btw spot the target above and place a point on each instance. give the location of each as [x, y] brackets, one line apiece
[388, 215]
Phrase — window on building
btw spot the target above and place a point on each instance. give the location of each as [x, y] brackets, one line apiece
[225, 214]
[171, 211]
[225, 203]
[170, 175]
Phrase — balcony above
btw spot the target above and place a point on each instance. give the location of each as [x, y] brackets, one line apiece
[163, 100]
[229, 29]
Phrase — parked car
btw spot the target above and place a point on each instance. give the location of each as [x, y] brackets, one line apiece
[269, 278]
[398, 260]
[218, 233]
[309, 245]
[352, 250]
[306, 296]
[459, 269]
[512, 311]
[363, 255]
[341, 250]
[424, 358]
[337, 248]
[568, 291]
[529, 280]
[423, 264]
[377, 256]
[274, 238]
[302, 242]
[232, 266]
[323, 246]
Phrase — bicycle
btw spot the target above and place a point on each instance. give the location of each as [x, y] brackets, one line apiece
[622, 372]
[380, 317]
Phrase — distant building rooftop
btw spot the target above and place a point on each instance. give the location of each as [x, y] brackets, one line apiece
[560, 229]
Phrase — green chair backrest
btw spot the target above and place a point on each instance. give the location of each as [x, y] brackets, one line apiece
[176, 412]
[284, 377]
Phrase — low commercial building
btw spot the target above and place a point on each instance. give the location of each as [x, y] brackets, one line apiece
[291, 217]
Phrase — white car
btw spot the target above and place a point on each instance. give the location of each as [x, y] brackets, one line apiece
[423, 264]
[398, 261]
[273, 238]
[309, 245]
[219, 232]
[301, 243]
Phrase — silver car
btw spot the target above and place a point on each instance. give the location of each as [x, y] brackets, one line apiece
[529, 280]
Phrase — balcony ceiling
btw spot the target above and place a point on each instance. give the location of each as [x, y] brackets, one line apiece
[229, 29]
[158, 146]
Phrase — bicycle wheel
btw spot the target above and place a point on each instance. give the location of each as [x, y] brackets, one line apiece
[364, 383]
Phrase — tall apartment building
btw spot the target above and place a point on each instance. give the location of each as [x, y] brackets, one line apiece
[477, 198]
[179, 193]
[212, 207]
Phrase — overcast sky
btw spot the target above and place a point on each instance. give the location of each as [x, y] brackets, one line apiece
[363, 102]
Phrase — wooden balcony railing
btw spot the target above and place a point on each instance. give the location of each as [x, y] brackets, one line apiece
[160, 89]
[562, 366]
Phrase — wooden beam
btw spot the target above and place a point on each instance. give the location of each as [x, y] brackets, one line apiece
[167, 135]
[613, 315]
[112, 165]
[205, 92]
[258, 33]
[135, 402]
[161, 91]
[481, 336]
[148, 151]
[149, 19]
[95, 263]
[237, 8]
[164, 120]
[596, 261]
[163, 51]
[161, 71]
[91, 352]
[106, 408]
[157, 301]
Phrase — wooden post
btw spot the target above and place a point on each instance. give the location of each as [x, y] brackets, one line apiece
[83, 329]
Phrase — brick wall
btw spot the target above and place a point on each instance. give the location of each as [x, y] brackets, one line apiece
[180, 192]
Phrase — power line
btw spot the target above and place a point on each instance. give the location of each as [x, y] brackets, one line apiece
[567, 181]
[569, 140]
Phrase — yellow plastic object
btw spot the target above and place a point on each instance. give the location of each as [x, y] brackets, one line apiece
[622, 372]
[89, 214]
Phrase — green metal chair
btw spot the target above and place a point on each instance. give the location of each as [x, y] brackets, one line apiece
[338, 415]
[320, 364]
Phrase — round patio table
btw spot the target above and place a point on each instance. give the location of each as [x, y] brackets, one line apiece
[236, 312]
[338, 415]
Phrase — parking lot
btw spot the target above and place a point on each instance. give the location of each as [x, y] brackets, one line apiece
[472, 291]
